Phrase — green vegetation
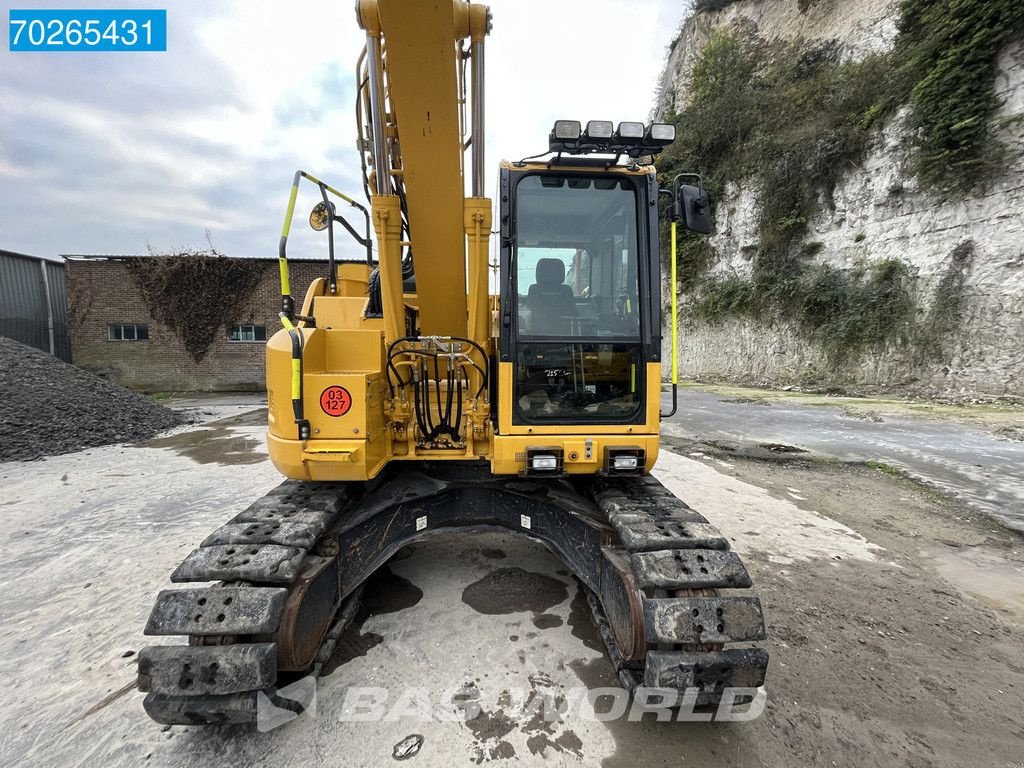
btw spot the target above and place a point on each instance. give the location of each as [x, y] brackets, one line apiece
[947, 53]
[887, 469]
[711, 5]
[860, 308]
[196, 293]
[948, 303]
[792, 119]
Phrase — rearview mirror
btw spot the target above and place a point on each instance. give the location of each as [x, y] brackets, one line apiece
[320, 216]
[696, 207]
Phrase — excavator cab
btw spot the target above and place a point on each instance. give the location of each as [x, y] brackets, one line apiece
[580, 303]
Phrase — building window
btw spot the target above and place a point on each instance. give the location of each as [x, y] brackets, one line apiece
[247, 333]
[127, 332]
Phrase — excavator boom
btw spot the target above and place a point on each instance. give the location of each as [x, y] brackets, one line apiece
[423, 62]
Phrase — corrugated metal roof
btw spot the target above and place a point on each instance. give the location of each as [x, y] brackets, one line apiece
[17, 255]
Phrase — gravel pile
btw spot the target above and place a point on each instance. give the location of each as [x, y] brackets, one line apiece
[48, 407]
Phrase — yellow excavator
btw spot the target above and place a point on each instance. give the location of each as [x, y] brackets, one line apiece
[407, 400]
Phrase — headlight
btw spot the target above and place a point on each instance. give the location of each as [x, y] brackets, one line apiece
[631, 131]
[599, 129]
[543, 463]
[544, 460]
[624, 460]
[662, 133]
[567, 130]
[624, 463]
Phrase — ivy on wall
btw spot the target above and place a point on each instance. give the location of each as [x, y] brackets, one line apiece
[196, 293]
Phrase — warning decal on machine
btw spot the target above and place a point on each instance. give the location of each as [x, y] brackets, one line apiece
[335, 401]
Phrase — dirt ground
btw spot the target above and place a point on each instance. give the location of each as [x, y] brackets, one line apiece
[895, 622]
[915, 659]
[994, 412]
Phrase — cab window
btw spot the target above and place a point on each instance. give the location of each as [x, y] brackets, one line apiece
[576, 257]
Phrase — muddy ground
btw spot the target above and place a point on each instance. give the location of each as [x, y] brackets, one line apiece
[895, 620]
[913, 658]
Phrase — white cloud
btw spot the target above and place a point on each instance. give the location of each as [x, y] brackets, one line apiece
[570, 60]
[130, 149]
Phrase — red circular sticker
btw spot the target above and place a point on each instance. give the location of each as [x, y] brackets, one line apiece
[335, 401]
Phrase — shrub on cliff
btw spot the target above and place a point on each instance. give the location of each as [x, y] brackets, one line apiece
[948, 53]
[792, 119]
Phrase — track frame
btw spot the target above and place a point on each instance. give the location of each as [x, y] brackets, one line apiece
[650, 565]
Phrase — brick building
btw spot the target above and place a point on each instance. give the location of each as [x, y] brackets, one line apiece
[114, 335]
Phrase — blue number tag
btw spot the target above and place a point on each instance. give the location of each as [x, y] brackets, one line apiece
[85, 30]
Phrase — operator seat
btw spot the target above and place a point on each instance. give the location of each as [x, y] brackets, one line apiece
[551, 301]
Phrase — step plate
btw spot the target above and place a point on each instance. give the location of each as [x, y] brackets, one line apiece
[708, 672]
[198, 670]
[217, 611]
[268, 563]
[689, 569]
[703, 619]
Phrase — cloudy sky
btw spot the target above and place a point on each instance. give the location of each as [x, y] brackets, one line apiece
[114, 152]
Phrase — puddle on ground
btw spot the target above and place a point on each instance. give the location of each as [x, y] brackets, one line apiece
[780, 448]
[547, 621]
[513, 590]
[1010, 433]
[491, 726]
[566, 741]
[541, 717]
[211, 445]
[987, 577]
[596, 672]
[385, 592]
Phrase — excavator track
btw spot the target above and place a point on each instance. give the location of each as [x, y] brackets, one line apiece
[679, 563]
[290, 568]
[231, 656]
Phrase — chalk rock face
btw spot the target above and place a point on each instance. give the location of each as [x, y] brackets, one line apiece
[877, 212]
[863, 27]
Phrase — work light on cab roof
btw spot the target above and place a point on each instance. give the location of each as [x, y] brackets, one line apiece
[629, 138]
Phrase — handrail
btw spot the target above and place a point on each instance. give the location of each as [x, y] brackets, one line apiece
[675, 326]
[287, 302]
[296, 389]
